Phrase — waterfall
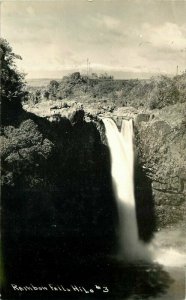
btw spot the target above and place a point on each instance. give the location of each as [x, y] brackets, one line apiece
[122, 166]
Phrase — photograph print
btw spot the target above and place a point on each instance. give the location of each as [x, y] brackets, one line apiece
[93, 149]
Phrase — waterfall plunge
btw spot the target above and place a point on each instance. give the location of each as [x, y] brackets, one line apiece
[122, 156]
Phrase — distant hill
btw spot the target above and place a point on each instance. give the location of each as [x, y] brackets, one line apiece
[40, 82]
[43, 82]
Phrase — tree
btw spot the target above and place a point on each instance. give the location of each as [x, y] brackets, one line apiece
[12, 83]
[75, 76]
[106, 76]
[94, 76]
[46, 94]
[53, 87]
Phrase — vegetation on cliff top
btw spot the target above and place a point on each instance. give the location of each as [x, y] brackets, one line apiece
[157, 92]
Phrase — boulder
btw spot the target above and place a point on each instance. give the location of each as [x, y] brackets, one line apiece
[142, 118]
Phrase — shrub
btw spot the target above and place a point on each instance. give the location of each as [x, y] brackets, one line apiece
[164, 93]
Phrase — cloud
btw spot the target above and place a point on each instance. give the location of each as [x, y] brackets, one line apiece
[100, 29]
[108, 22]
[30, 10]
[115, 35]
[167, 35]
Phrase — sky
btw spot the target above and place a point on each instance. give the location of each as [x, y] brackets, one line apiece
[125, 38]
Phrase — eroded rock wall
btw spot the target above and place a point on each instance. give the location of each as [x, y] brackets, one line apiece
[160, 152]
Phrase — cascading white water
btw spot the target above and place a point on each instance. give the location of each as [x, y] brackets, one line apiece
[122, 165]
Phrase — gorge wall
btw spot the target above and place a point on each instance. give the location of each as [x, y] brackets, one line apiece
[160, 143]
[56, 178]
[57, 190]
[57, 199]
[70, 155]
[161, 152]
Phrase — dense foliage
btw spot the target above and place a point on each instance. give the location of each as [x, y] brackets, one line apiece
[12, 82]
[154, 93]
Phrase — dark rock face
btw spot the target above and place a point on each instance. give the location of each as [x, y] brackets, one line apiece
[145, 204]
[57, 195]
[142, 118]
[65, 173]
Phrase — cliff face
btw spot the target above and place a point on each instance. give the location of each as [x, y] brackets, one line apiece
[56, 174]
[57, 197]
[56, 183]
[160, 146]
[162, 151]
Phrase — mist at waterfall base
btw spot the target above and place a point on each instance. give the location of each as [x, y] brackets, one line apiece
[130, 247]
